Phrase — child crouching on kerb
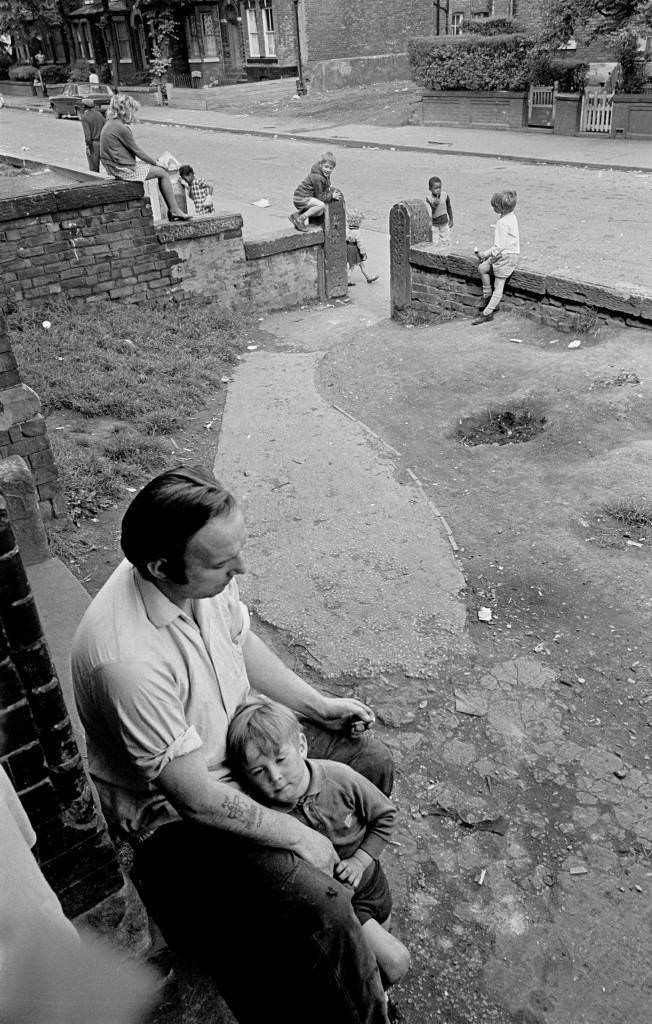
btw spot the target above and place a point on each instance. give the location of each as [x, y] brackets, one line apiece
[312, 194]
[502, 258]
[267, 754]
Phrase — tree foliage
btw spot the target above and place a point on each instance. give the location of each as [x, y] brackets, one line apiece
[586, 20]
[16, 14]
[475, 62]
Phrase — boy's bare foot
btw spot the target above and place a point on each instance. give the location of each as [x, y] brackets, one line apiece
[370, 280]
[351, 284]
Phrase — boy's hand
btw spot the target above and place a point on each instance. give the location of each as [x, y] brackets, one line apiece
[351, 869]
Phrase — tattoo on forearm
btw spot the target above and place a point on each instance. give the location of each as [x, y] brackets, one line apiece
[245, 811]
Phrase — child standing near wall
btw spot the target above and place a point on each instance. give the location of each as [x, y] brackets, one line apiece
[356, 254]
[502, 258]
[442, 213]
[312, 194]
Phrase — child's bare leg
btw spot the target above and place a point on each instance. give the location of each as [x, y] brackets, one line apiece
[369, 278]
[392, 956]
[485, 273]
[314, 208]
[499, 287]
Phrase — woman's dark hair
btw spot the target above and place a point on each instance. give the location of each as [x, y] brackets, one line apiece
[168, 511]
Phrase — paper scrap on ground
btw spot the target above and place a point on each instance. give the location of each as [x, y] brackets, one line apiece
[484, 614]
[261, 202]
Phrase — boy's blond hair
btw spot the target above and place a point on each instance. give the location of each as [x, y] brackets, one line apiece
[328, 157]
[354, 218]
[504, 201]
[263, 723]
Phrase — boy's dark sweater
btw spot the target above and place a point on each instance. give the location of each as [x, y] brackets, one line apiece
[315, 184]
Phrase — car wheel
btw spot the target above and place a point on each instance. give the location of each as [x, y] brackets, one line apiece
[59, 114]
[78, 113]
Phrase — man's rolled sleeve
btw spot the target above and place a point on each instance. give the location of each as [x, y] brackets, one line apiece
[145, 716]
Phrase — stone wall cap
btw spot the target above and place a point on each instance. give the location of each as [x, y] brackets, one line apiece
[281, 241]
[17, 404]
[199, 227]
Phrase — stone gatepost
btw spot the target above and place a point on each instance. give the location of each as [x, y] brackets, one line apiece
[39, 752]
[336, 276]
[410, 223]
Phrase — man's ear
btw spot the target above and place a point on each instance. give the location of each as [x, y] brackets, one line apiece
[158, 568]
[303, 745]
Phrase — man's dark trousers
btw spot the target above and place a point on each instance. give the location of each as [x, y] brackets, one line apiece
[93, 155]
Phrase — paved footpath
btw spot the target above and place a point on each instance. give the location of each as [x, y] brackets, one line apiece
[531, 147]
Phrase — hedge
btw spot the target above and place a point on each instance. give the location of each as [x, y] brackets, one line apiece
[474, 62]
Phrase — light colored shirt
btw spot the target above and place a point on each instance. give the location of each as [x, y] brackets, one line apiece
[506, 236]
[153, 683]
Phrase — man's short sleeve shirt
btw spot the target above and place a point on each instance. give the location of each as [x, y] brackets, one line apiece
[153, 683]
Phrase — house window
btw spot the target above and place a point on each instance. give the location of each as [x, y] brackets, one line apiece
[268, 27]
[201, 37]
[457, 23]
[252, 32]
[83, 37]
[57, 46]
[122, 37]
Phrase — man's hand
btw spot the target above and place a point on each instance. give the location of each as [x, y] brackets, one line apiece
[345, 714]
[351, 869]
[317, 850]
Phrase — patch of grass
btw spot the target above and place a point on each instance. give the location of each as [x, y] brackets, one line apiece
[622, 523]
[501, 426]
[153, 367]
[150, 368]
[587, 321]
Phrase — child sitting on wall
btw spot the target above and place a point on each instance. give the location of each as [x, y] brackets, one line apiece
[197, 189]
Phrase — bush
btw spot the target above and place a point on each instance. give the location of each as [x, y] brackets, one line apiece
[22, 73]
[490, 26]
[54, 73]
[136, 78]
[632, 75]
[542, 69]
[472, 62]
[79, 71]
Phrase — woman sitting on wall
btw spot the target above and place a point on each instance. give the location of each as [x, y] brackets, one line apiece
[122, 158]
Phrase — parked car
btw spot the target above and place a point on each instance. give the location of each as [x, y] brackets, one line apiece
[70, 101]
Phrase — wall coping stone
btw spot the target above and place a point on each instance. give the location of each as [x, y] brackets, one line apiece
[279, 241]
[487, 94]
[176, 231]
[70, 197]
[17, 404]
[635, 303]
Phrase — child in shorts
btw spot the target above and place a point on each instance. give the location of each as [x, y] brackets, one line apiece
[267, 754]
[312, 194]
[502, 258]
[442, 213]
[356, 254]
[199, 191]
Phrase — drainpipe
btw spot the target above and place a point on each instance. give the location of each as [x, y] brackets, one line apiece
[301, 83]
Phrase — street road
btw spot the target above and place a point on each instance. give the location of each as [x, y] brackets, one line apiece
[585, 223]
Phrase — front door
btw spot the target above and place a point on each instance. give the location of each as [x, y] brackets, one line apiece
[232, 40]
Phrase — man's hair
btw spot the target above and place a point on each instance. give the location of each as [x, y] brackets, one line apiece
[263, 723]
[186, 170]
[433, 181]
[123, 107]
[168, 511]
[328, 156]
[504, 201]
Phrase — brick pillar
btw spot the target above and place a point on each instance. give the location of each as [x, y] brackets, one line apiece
[39, 752]
[335, 272]
[23, 432]
[410, 224]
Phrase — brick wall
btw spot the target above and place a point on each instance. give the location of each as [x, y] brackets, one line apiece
[96, 242]
[23, 433]
[337, 29]
[89, 241]
[38, 749]
[425, 281]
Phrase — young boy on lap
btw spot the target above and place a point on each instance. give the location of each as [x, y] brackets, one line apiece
[267, 753]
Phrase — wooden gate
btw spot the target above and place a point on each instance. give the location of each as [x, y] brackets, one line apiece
[597, 111]
[541, 106]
